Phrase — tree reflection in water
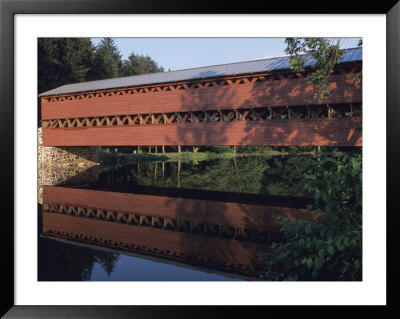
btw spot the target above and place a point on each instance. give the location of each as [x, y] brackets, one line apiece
[268, 175]
[58, 261]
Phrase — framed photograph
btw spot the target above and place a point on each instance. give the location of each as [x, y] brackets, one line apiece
[127, 230]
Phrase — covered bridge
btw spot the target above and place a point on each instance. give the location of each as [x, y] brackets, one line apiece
[260, 102]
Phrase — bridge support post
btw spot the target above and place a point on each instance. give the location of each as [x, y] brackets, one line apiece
[179, 173]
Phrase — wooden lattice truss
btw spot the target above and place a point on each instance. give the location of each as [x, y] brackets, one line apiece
[188, 85]
[239, 266]
[259, 113]
[168, 224]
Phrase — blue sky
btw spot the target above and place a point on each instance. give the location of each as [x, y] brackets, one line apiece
[183, 53]
[129, 268]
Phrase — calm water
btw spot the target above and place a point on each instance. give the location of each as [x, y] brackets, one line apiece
[171, 221]
[268, 175]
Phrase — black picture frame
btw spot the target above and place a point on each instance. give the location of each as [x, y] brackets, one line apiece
[8, 9]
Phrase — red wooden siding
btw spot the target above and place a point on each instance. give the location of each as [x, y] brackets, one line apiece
[296, 132]
[173, 245]
[285, 92]
[237, 215]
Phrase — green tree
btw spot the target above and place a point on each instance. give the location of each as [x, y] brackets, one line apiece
[107, 61]
[325, 51]
[330, 247]
[139, 64]
[358, 77]
[63, 61]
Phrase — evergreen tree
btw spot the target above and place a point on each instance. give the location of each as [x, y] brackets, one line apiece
[107, 61]
[139, 64]
[63, 61]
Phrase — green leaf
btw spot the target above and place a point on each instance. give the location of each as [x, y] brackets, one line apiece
[318, 262]
[314, 273]
[309, 263]
[331, 250]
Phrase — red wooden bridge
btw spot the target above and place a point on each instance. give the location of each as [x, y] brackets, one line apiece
[223, 235]
[258, 102]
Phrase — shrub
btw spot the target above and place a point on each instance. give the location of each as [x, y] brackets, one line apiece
[329, 247]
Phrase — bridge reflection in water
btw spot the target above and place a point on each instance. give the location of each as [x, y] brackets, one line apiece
[218, 235]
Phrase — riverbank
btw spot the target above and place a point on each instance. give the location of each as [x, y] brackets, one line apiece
[126, 158]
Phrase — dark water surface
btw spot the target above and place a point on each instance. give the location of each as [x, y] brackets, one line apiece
[164, 221]
[268, 175]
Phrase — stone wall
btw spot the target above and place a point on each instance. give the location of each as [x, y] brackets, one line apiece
[65, 165]
[66, 156]
[58, 175]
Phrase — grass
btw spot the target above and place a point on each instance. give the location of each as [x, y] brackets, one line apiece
[119, 158]
[112, 158]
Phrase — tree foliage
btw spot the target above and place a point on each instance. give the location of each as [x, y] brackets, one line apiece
[358, 77]
[329, 247]
[107, 61]
[71, 60]
[139, 64]
[62, 61]
[326, 53]
[248, 174]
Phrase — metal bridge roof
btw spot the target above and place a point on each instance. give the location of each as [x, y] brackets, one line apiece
[255, 66]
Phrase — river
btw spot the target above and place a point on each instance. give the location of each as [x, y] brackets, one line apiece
[164, 220]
